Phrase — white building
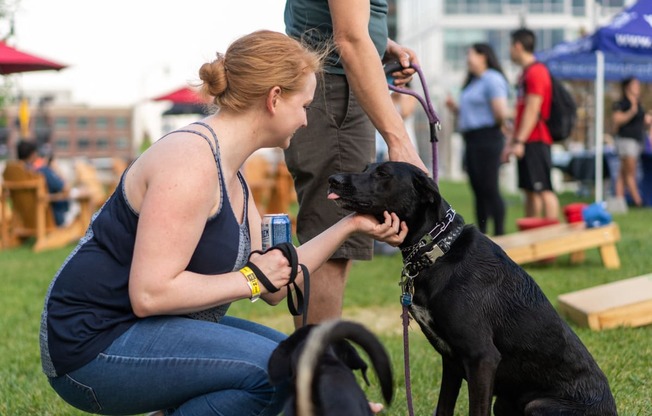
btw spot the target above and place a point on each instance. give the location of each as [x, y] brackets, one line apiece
[440, 31]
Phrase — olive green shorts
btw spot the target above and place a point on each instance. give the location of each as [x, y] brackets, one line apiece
[339, 138]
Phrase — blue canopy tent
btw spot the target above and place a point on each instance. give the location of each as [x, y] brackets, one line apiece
[613, 52]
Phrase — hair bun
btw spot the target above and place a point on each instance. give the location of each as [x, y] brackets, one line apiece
[213, 75]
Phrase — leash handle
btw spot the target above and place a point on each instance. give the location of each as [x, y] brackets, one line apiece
[426, 103]
[290, 253]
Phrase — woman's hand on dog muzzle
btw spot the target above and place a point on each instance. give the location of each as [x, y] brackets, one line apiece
[391, 231]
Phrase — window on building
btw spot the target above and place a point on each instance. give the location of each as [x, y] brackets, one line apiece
[122, 143]
[101, 123]
[579, 7]
[62, 122]
[83, 143]
[102, 143]
[121, 122]
[616, 4]
[504, 6]
[457, 42]
[62, 144]
[82, 122]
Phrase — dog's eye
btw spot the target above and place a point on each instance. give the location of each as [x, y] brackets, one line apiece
[380, 174]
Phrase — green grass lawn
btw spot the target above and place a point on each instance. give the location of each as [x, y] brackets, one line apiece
[625, 354]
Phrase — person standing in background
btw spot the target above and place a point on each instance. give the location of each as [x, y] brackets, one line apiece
[480, 114]
[352, 100]
[531, 139]
[631, 123]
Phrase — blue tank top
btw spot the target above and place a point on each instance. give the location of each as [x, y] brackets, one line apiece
[87, 305]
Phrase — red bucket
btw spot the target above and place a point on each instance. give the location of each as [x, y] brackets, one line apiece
[573, 212]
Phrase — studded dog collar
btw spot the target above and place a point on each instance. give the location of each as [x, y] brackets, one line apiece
[428, 249]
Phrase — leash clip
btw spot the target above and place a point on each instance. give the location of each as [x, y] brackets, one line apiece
[407, 285]
[406, 275]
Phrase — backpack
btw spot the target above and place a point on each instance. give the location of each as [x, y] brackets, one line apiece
[563, 111]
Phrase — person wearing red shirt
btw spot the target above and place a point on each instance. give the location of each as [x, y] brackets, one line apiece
[531, 139]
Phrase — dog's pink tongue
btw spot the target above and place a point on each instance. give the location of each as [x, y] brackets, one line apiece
[333, 195]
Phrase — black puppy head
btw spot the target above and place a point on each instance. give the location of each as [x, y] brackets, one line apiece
[396, 187]
[284, 359]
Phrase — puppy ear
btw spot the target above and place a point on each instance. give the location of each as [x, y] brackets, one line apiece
[349, 356]
[282, 363]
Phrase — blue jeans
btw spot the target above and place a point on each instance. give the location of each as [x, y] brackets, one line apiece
[185, 366]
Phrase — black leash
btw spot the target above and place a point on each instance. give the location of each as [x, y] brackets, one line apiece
[290, 253]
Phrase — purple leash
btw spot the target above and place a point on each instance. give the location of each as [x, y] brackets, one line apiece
[406, 296]
[426, 103]
[406, 359]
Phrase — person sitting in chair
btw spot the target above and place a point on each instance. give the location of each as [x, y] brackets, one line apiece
[27, 153]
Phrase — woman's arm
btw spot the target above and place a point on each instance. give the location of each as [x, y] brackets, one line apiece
[174, 187]
[364, 72]
[315, 252]
[499, 109]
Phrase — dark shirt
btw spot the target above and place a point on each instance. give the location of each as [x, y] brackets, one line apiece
[88, 305]
[310, 20]
[634, 128]
[55, 185]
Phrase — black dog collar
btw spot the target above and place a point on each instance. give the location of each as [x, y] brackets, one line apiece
[431, 246]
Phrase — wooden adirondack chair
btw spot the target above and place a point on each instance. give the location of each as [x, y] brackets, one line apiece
[272, 187]
[31, 213]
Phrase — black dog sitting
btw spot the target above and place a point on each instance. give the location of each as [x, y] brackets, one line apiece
[482, 312]
[319, 362]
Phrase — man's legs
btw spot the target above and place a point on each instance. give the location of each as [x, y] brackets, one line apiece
[550, 204]
[339, 138]
[328, 282]
[534, 178]
[543, 204]
[628, 172]
[533, 204]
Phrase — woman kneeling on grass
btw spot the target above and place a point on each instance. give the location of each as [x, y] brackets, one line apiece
[134, 319]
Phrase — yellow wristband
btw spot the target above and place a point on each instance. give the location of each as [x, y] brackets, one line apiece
[252, 281]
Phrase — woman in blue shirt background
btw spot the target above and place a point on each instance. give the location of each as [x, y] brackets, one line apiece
[481, 111]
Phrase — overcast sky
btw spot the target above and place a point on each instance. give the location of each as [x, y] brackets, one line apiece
[123, 51]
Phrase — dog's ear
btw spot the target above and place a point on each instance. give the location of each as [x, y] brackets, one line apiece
[349, 356]
[282, 363]
[427, 187]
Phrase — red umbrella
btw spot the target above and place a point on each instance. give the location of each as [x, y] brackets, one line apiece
[184, 95]
[12, 60]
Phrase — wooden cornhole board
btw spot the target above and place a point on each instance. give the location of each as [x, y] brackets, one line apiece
[623, 303]
[554, 240]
